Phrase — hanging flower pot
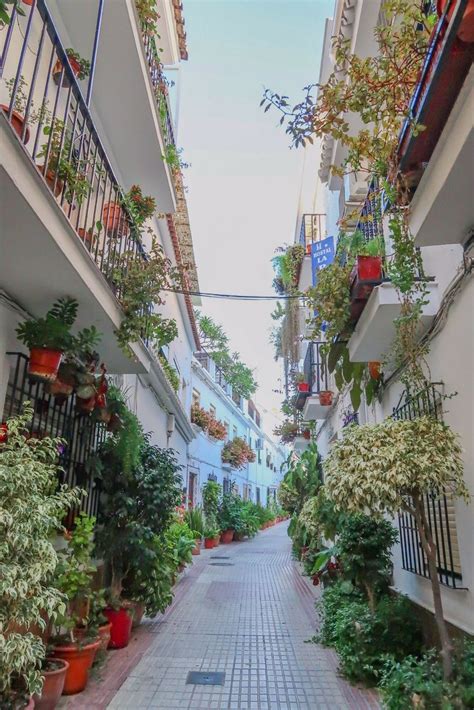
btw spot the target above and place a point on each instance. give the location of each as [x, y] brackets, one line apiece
[3, 433]
[54, 677]
[60, 390]
[44, 364]
[58, 68]
[85, 406]
[121, 630]
[366, 274]
[114, 220]
[17, 121]
[303, 387]
[466, 28]
[80, 659]
[325, 398]
[374, 370]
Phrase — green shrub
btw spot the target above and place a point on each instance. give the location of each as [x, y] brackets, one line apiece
[415, 682]
[363, 638]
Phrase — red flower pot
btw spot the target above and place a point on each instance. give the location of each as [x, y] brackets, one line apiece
[121, 620]
[307, 434]
[86, 406]
[367, 268]
[3, 433]
[325, 398]
[27, 2]
[466, 28]
[227, 536]
[374, 370]
[53, 685]
[303, 387]
[114, 219]
[209, 543]
[44, 363]
[80, 659]
[17, 121]
[57, 69]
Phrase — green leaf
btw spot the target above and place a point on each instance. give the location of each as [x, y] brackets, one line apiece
[356, 393]
[339, 379]
[369, 391]
[347, 367]
[322, 558]
[335, 353]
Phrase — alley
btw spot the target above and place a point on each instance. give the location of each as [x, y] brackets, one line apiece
[248, 613]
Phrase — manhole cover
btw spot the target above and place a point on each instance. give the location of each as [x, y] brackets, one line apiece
[220, 557]
[221, 564]
[202, 678]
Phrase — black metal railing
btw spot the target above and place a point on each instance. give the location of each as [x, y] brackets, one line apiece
[160, 87]
[314, 368]
[312, 229]
[43, 102]
[371, 215]
[429, 402]
[56, 418]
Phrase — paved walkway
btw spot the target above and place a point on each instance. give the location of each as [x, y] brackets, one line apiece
[246, 611]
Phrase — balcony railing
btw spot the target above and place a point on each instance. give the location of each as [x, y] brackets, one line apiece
[314, 368]
[312, 229]
[44, 105]
[160, 87]
[370, 221]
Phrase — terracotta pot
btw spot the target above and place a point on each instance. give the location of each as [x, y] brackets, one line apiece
[466, 28]
[303, 387]
[55, 184]
[104, 635]
[27, 2]
[227, 536]
[374, 370]
[17, 121]
[53, 686]
[87, 236]
[65, 83]
[114, 219]
[238, 537]
[120, 632]
[325, 398]
[59, 390]
[86, 406]
[197, 547]
[80, 659]
[217, 541]
[44, 364]
[138, 612]
[209, 543]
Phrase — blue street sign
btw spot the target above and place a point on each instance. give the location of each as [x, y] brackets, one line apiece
[322, 254]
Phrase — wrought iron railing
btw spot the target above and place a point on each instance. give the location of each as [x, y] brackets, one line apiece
[160, 87]
[42, 100]
[314, 368]
[438, 506]
[370, 221]
[52, 417]
[312, 229]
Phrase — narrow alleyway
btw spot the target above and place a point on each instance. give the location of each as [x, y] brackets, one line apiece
[246, 611]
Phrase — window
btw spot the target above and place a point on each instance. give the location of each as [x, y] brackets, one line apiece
[212, 411]
[226, 485]
[227, 427]
[257, 491]
[196, 397]
[234, 432]
[439, 508]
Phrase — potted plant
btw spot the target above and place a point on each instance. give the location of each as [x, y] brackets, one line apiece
[237, 453]
[74, 578]
[200, 417]
[325, 398]
[31, 509]
[48, 338]
[195, 521]
[17, 118]
[367, 270]
[53, 672]
[141, 207]
[210, 534]
[287, 431]
[115, 220]
[81, 68]
[229, 517]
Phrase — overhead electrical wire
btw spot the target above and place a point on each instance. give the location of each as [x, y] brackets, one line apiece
[231, 296]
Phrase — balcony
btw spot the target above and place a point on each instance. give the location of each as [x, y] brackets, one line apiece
[128, 99]
[66, 230]
[316, 376]
[438, 161]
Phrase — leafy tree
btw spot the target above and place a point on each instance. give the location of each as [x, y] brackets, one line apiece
[216, 342]
[301, 481]
[391, 466]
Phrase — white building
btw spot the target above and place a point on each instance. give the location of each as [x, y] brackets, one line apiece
[119, 127]
[258, 480]
[442, 222]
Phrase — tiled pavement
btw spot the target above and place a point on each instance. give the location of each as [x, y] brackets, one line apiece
[251, 618]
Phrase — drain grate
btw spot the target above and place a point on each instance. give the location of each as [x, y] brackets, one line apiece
[220, 557]
[221, 564]
[203, 678]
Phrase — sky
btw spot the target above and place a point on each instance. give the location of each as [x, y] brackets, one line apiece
[243, 180]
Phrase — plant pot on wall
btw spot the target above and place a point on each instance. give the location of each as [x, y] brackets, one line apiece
[80, 659]
[44, 364]
[55, 184]
[325, 398]
[121, 620]
[114, 219]
[303, 387]
[17, 121]
[58, 68]
[53, 684]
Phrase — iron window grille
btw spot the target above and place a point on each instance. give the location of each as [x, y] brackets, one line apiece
[429, 402]
[82, 434]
